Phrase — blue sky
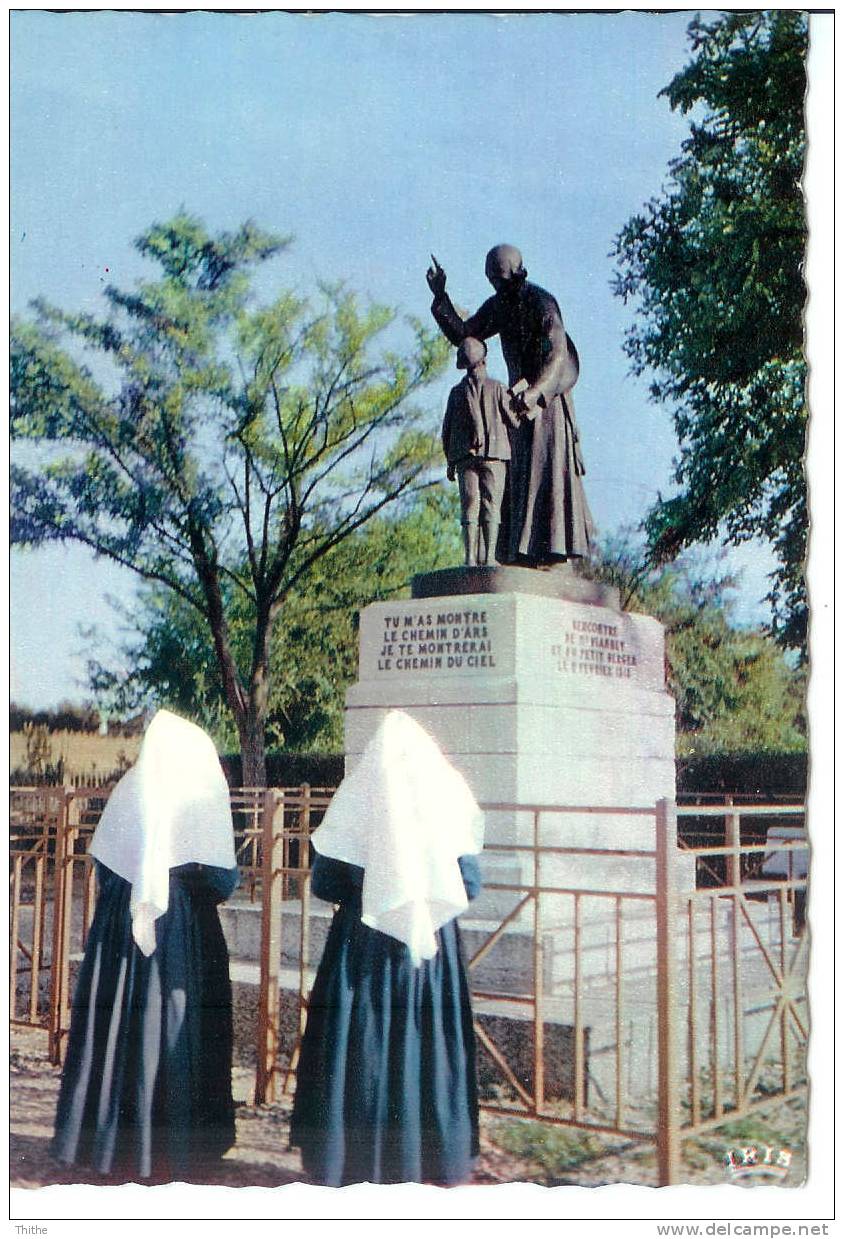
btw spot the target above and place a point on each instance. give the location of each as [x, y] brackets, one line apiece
[374, 140]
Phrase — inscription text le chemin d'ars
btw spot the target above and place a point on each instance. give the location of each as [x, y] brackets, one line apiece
[461, 640]
[436, 641]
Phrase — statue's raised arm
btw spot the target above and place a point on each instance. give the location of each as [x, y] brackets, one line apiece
[450, 321]
[436, 279]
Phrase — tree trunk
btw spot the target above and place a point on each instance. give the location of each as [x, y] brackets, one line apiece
[252, 751]
[249, 709]
[251, 725]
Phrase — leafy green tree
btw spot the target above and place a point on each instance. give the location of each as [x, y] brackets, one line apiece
[218, 447]
[714, 266]
[166, 653]
[734, 687]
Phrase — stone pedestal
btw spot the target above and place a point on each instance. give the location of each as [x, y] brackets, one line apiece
[538, 700]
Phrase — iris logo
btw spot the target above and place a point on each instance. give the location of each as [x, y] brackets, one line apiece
[754, 1160]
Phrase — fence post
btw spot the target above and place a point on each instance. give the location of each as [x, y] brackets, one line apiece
[62, 905]
[14, 944]
[301, 836]
[38, 913]
[732, 839]
[538, 981]
[667, 928]
[268, 994]
[305, 904]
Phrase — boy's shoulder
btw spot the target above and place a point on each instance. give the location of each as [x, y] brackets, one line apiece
[489, 385]
[495, 386]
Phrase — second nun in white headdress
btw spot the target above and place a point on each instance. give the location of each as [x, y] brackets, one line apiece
[146, 1088]
[386, 1085]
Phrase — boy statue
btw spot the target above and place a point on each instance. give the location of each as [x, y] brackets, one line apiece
[476, 443]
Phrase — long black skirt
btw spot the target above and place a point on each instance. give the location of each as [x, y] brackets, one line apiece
[146, 1087]
[386, 1086]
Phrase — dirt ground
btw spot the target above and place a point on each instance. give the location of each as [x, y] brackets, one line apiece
[261, 1157]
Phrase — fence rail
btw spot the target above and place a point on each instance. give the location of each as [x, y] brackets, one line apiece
[650, 1010]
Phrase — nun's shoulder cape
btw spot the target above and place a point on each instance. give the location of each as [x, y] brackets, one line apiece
[146, 1085]
[386, 1085]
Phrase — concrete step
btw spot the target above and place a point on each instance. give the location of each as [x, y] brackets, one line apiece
[508, 965]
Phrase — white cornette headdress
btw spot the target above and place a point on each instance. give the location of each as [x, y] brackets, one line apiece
[171, 808]
[404, 815]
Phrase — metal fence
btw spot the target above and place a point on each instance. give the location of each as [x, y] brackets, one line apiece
[35, 818]
[674, 1010]
[652, 1012]
[747, 1007]
[52, 896]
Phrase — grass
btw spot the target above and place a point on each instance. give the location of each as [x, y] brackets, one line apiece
[553, 1150]
[555, 1153]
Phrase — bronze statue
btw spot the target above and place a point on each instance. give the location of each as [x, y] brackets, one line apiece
[476, 443]
[548, 519]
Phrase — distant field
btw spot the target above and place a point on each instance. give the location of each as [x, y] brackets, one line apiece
[82, 753]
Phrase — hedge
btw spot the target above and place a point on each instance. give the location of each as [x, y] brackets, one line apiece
[746, 774]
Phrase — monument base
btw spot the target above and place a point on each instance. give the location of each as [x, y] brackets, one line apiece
[539, 701]
[559, 581]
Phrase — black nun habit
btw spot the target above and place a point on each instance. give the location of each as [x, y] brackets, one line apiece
[386, 1086]
[146, 1086]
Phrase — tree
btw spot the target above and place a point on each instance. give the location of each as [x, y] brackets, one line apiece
[217, 447]
[714, 264]
[166, 654]
[734, 688]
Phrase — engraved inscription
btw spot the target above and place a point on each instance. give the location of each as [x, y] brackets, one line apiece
[590, 647]
[436, 641]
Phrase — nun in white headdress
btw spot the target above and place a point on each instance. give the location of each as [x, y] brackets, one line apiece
[386, 1087]
[146, 1087]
